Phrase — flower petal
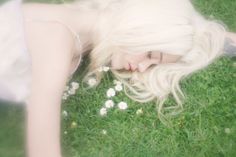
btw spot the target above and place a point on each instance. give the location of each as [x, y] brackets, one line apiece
[122, 105]
[109, 104]
[103, 111]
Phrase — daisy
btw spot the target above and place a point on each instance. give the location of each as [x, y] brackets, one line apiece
[73, 124]
[92, 81]
[109, 104]
[106, 68]
[116, 82]
[227, 130]
[72, 91]
[111, 92]
[122, 105]
[65, 96]
[139, 111]
[64, 113]
[104, 132]
[103, 111]
[118, 87]
[66, 88]
[75, 85]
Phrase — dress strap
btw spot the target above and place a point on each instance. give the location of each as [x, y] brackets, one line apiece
[78, 42]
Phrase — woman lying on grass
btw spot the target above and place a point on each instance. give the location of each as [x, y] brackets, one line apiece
[150, 46]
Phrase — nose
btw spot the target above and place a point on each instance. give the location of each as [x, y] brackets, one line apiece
[133, 66]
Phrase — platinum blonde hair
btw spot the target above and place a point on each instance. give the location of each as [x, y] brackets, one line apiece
[170, 26]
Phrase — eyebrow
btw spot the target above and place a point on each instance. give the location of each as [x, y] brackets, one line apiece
[149, 54]
[160, 55]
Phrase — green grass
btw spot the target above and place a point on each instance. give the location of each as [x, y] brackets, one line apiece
[206, 127]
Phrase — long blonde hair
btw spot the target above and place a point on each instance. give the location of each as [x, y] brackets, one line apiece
[169, 26]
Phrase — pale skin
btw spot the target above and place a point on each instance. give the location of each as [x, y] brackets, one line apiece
[51, 47]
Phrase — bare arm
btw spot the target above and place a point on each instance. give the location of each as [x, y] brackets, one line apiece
[50, 70]
[230, 44]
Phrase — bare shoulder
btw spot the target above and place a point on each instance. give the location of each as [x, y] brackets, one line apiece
[47, 36]
[50, 46]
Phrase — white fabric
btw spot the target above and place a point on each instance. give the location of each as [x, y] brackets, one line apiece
[15, 62]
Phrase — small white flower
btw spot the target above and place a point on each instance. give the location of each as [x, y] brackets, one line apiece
[65, 132]
[73, 124]
[66, 88]
[103, 111]
[116, 82]
[92, 81]
[139, 111]
[104, 132]
[65, 94]
[71, 91]
[111, 92]
[118, 87]
[64, 113]
[123, 105]
[75, 85]
[105, 68]
[100, 69]
[234, 64]
[227, 130]
[109, 104]
[64, 97]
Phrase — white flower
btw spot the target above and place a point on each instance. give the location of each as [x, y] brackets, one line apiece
[106, 68]
[122, 105]
[92, 81]
[65, 94]
[116, 82]
[100, 69]
[111, 92]
[66, 88]
[64, 113]
[64, 97]
[103, 111]
[104, 132]
[109, 104]
[139, 111]
[118, 87]
[65, 132]
[73, 124]
[227, 130]
[72, 91]
[75, 85]
[234, 64]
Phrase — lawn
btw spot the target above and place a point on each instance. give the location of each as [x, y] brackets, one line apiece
[206, 127]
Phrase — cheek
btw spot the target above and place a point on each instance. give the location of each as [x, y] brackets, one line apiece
[145, 64]
[116, 61]
[135, 58]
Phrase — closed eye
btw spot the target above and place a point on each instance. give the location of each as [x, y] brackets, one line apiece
[149, 55]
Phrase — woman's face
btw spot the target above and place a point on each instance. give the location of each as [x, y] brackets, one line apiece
[133, 62]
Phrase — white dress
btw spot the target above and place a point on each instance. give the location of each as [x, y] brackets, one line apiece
[15, 61]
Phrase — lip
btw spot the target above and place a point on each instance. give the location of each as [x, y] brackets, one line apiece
[130, 68]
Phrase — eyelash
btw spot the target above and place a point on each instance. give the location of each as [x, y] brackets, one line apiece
[149, 55]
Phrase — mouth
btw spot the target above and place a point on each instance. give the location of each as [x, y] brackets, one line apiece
[130, 69]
